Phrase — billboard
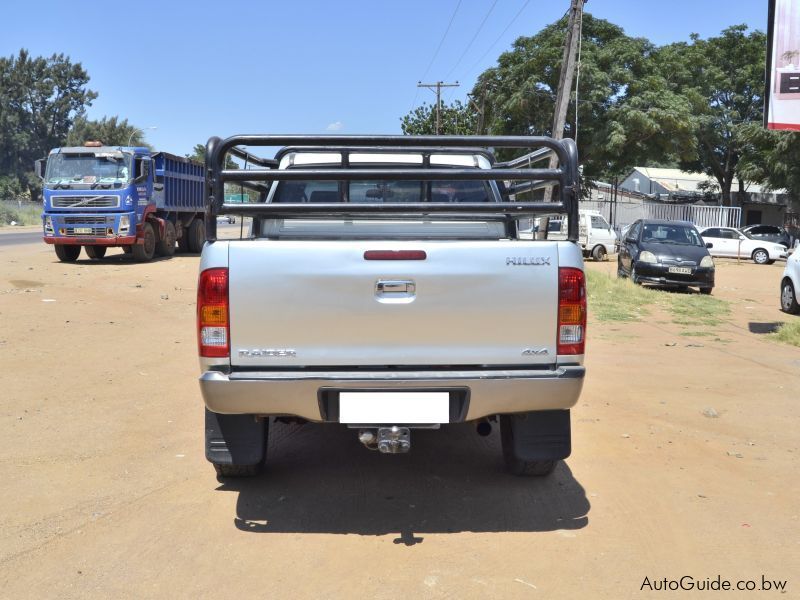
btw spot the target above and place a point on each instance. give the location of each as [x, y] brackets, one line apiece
[782, 94]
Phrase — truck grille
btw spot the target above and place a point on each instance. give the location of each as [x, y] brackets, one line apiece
[84, 220]
[85, 201]
[96, 232]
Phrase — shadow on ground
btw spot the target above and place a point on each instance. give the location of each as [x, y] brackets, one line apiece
[319, 479]
[763, 328]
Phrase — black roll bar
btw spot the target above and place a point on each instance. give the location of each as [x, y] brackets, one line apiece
[566, 175]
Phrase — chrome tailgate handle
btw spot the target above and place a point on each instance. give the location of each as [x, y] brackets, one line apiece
[395, 290]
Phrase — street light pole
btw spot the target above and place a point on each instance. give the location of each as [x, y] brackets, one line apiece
[141, 131]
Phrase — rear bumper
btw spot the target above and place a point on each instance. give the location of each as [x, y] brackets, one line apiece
[293, 393]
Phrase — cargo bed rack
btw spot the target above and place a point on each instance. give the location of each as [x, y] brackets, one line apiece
[518, 171]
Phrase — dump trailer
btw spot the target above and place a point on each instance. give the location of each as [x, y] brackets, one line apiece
[384, 286]
[145, 202]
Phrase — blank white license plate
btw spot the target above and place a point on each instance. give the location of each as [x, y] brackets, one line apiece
[83, 230]
[680, 270]
[394, 408]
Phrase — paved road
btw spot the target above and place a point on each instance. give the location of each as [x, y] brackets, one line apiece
[21, 237]
[33, 236]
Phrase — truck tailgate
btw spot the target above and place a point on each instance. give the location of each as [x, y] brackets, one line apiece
[320, 303]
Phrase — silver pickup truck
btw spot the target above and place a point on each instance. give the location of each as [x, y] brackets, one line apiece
[383, 286]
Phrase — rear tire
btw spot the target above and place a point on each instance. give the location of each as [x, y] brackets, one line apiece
[67, 253]
[145, 252]
[183, 241]
[789, 298]
[197, 236]
[166, 246]
[599, 253]
[95, 252]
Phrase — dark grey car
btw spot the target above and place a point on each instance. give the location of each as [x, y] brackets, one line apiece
[667, 253]
[768, 233]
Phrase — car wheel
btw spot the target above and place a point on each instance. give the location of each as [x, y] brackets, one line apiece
[599, 253]
[146, 251]
[620, 271]
[634, 277]
[95, 252]
[197, 236]
[67, 253]
[760, 256]
[788, 298]
[166, 246]
[706, 290]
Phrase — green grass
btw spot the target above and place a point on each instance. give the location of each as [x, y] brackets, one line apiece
[697, 310]
[788, 333]
[612, 299]
[26, 214]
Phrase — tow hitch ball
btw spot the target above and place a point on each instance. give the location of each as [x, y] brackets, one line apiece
[389, 440]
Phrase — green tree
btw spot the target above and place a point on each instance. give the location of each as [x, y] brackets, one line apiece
[39, 100]
[723, 80]
[199, 154]
[456, 119]
[613, 134]
[771, 158]
[109, 130]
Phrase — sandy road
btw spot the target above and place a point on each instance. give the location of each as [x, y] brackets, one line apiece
[105, 491]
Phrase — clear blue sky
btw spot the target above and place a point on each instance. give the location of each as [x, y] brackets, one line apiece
[196, 69]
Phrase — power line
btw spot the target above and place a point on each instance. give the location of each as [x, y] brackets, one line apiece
[439, 47]
[474, 37]
[435, 54]
[499, 37]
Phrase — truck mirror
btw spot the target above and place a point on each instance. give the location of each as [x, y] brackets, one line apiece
[709, 245]
[39, 167]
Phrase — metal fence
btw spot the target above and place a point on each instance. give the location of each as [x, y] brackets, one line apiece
[622, 214]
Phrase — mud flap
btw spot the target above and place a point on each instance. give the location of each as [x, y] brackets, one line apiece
[235, 439]
[539, 435]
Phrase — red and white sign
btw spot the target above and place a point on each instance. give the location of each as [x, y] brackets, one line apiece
[782, 106]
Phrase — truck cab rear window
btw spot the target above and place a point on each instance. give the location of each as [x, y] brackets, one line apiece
[382, 191]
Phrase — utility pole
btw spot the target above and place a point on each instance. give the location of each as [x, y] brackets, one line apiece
[567, 75]
[438, 85]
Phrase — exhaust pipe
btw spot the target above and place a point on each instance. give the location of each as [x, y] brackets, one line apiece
[484, 428]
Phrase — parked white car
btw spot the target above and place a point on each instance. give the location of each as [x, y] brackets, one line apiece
[728, 242]
[790, 283]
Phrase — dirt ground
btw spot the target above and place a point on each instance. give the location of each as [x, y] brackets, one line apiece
[685, 463]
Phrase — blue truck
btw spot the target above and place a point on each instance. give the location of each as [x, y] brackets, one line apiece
[96, 197]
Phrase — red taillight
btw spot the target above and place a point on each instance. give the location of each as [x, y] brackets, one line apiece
[213, 320]
[571, 311]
